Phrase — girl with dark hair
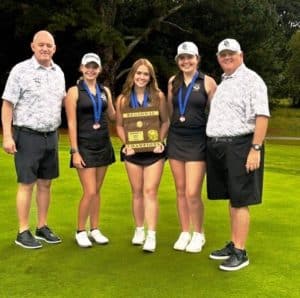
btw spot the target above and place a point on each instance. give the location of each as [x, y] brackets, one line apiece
[188, 94]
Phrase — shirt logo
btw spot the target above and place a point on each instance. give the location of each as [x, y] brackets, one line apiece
[196, 87]
[103, 97]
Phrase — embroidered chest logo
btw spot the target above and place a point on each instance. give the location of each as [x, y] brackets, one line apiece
[196, 87]
[103, 97]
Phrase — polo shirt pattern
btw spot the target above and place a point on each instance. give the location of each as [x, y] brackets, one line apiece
[239, 98]
[37, 93]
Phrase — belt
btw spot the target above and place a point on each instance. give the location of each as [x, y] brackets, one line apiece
[35, 132]
[229, 139]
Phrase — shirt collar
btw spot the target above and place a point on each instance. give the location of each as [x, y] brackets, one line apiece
[235, 73]
[37, 65]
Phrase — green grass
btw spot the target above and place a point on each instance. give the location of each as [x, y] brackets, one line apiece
[284, 121]
[122, 270]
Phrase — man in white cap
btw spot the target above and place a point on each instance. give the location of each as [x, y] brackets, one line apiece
[236, 128]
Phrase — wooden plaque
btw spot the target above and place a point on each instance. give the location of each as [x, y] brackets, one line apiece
[142, 127]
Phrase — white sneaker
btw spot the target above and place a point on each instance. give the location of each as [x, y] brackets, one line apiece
[138, 237]
[82, 239]
[150, 244]
[98, 237]
[182, 241]
[197, 242]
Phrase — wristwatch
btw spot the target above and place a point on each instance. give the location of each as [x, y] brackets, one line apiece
[256, 147]
[73, 150]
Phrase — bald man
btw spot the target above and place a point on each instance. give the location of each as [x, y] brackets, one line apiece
[31, 114]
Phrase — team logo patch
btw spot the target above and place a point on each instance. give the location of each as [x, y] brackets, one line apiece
[185, 46]
[196, 87]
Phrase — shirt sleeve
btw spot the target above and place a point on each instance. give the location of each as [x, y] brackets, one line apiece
[259, 97]
[12, 88]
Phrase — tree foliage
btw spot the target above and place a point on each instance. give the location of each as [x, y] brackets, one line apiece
[293, 69]
[289, 15]
[121, 31]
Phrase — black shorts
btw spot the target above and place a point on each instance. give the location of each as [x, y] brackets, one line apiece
[36, 156]
[227, 177]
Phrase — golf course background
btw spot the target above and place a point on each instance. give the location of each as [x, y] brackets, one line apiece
[122, 270]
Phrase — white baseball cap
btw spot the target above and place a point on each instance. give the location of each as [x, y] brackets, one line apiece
[91, 57]
[187, 47]
[229, 44]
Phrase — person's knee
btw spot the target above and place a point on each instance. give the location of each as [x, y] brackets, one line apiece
[90, 195]
[25, 187]
[180, 191]
[43, 184]
[137, 193]
[237, 210]
[150, 193]
[192, 195]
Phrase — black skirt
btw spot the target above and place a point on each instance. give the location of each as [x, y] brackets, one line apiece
[142, 158]
[186, 144]
[96, 152]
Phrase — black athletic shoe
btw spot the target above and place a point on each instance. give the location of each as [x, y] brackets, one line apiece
[26, 240]
[237, 260]
[223, 253]
[45, 233]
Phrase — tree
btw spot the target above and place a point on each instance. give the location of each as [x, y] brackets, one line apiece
[293, 69]
[121, 31]
[254, 23]
[115, 28]
[289, 15]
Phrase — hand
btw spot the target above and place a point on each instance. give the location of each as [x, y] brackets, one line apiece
[159, 149]
[77, 161]
[253, 160]
[127, 150]
[9, 145]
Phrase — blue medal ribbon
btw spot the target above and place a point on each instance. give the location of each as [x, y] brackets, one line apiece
[183, 103]
[134, 101]
[97, 105]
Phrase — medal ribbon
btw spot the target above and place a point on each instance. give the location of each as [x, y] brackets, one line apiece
[182, 104]
[134, 101]
[97, 105]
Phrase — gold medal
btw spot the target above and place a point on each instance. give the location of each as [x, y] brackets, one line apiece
[181, 118]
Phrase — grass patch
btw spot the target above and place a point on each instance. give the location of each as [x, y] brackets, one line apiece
[285, 121]
[122, 270]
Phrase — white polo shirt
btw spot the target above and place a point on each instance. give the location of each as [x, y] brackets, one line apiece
[37, 93]
[239, 98]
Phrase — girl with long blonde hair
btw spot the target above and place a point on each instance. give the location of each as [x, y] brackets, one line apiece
[144, 169]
